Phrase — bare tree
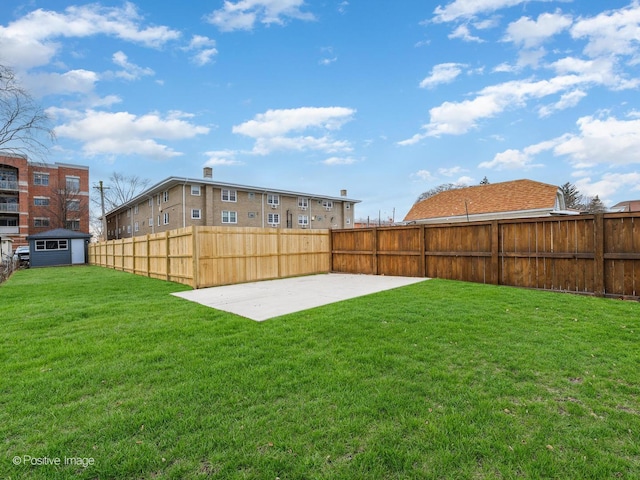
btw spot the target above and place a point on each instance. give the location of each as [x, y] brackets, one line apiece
[118, 189]
[24, 127]
[439, 189]
[67, 206]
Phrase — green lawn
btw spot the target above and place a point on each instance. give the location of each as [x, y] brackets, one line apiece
[441, 379]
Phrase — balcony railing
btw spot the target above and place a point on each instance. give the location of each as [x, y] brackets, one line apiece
[8, 185]
[9, 207]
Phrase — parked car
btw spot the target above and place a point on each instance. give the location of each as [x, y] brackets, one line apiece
[21, 255]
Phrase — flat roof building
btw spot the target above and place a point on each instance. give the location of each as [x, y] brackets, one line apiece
[178, 202]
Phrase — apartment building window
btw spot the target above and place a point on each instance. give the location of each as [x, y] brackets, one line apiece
[273, 199]
[303, 220]
[52, 244]
[8, 222]
[150, 202]
[128, 228]
[195, 213]
[229, 217]
[136, 210]
[251, 195]
[41, 179]
[165, 196]
[150, 221]
[41, 222]
[158, 199]
[195, 190]
[73, 184]
[165, 218]
[273, 218]
[136, 227]
[41, 201]
[303, 203]
[73, 205]
[72, 224]
[229, 195]
[327, 204]
[348, 206]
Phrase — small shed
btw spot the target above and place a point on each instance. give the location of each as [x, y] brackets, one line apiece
[58, 247]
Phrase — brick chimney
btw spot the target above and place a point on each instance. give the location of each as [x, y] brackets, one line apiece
[343, 193]
[207, 172]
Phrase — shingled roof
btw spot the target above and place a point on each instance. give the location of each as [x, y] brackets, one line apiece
[517, 198]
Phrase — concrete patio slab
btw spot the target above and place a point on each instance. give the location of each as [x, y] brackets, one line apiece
[273, 298]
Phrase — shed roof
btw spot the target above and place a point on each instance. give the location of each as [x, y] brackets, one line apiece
[59, 233]
[513, 196]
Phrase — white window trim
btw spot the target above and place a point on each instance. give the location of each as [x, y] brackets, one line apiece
[197, 189]
[273, 199]
[303, 219]
[193, 214]
[165, 218]
[229, 214]
[273, 219]
[231, 195]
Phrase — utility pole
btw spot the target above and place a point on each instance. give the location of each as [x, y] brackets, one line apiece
[102, 188]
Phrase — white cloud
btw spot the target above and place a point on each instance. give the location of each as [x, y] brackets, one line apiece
[615, 32]
[130, 71]
[508, 160]
[204, 49]
[243, 14]
[423, 175]
[462, 32]
[513, 159]
[609, 185]
[217, 158]
[30, 41]
[465, 180]
[450, 172]
[606, 141]
[339, 161]
[457, 118]
[567, 100]
[273, 130]
[442, 73]
[73, 81]
[532, 33]
[461, 9]
[123, 133]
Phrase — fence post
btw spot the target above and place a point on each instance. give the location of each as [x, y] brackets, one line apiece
[495, 253]
[598, 257]
[195, 233]
[375, 250]
[167, 253]
[148, 257]
[330, 250]
[423, 253]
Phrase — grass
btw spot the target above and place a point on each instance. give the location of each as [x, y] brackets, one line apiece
[435, 380]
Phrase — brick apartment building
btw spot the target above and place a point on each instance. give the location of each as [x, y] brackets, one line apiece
[181, 202]
[36, 197]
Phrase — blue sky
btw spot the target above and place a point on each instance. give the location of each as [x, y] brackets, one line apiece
[386, 99]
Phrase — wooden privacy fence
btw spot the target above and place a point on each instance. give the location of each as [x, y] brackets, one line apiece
[211, 256]
[586, 254]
